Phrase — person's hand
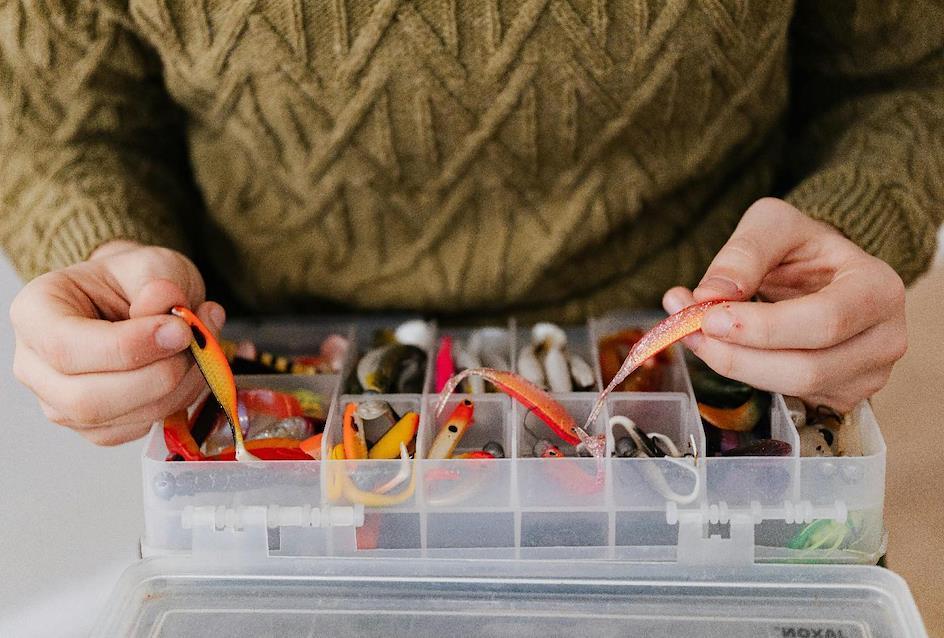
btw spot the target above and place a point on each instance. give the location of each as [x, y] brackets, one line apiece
[831, 323]
[95, 344]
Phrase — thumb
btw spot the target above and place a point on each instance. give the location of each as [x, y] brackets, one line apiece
[766, 234]
[153, 279]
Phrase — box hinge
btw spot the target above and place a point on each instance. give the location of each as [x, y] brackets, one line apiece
[716, 535]
[245, 532]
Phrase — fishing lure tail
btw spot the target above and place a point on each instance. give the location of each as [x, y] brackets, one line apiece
[671, 329]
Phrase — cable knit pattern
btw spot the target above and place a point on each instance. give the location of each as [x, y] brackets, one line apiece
[552, 157]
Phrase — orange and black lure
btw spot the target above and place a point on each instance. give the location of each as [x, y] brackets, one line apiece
[215, 368]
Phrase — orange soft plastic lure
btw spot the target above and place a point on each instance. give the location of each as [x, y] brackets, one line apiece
[355, 445]
[671, 329]
[529, 395]
[178, 437]
[215, 368]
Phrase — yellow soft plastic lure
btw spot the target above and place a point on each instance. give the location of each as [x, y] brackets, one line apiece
[219, 376]
[403, 431]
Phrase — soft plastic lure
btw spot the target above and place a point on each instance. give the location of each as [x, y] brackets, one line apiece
[477, 454]
[401, 432]
[215, 368]
[653, 470]
[671, 329]
[355, 445]
[444, 365]
[740, 419]
[529, 395]
[312, 446]
[381, 497]
[275, 449]
[179, 439]
[567, 473]
[452, 431]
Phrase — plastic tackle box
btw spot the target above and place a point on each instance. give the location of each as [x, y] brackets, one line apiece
[518, 543]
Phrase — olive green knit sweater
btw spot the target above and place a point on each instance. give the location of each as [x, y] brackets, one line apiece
[555, 157]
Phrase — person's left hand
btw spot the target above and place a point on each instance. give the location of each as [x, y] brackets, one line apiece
[831, 323]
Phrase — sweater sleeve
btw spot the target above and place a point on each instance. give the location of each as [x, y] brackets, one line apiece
[90, 145]
[866, 151]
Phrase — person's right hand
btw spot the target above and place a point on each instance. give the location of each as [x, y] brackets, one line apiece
[97, 346]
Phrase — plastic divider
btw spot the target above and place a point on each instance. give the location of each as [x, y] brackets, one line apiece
[648, 483]
[368, 475]
[462, 484]
[569, 482]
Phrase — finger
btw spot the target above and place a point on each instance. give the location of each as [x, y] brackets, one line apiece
[843, 398]
[76, 345]
[190, 388]
[157, 297]
[766, 234]
[213, 316]
[93, 398]
[106, 435]
[116, 434]
[135, 271]
[48, 322]
[677, 298]
[801, 372]
[185, 395]
[857, 299]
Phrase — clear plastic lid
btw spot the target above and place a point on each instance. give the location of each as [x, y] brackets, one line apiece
[386, 597]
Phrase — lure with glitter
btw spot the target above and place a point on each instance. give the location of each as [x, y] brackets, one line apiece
[215, 368]
[532, 397]
[671, 329]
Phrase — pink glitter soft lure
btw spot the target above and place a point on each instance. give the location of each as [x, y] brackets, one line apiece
[671, 329]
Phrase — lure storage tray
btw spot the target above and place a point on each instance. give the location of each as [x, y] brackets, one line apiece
[725, 511]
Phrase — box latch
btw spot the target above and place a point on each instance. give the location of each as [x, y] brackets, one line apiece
[715, 535]
[699, 545]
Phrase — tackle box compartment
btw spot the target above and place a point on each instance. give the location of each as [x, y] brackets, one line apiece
[658, 539]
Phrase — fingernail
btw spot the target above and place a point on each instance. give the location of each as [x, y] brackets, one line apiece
[718, 323]
[720, 287]
[172, 335]
[218, 315]
[673, 303]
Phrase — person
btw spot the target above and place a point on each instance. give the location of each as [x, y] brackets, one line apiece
[543, 158]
